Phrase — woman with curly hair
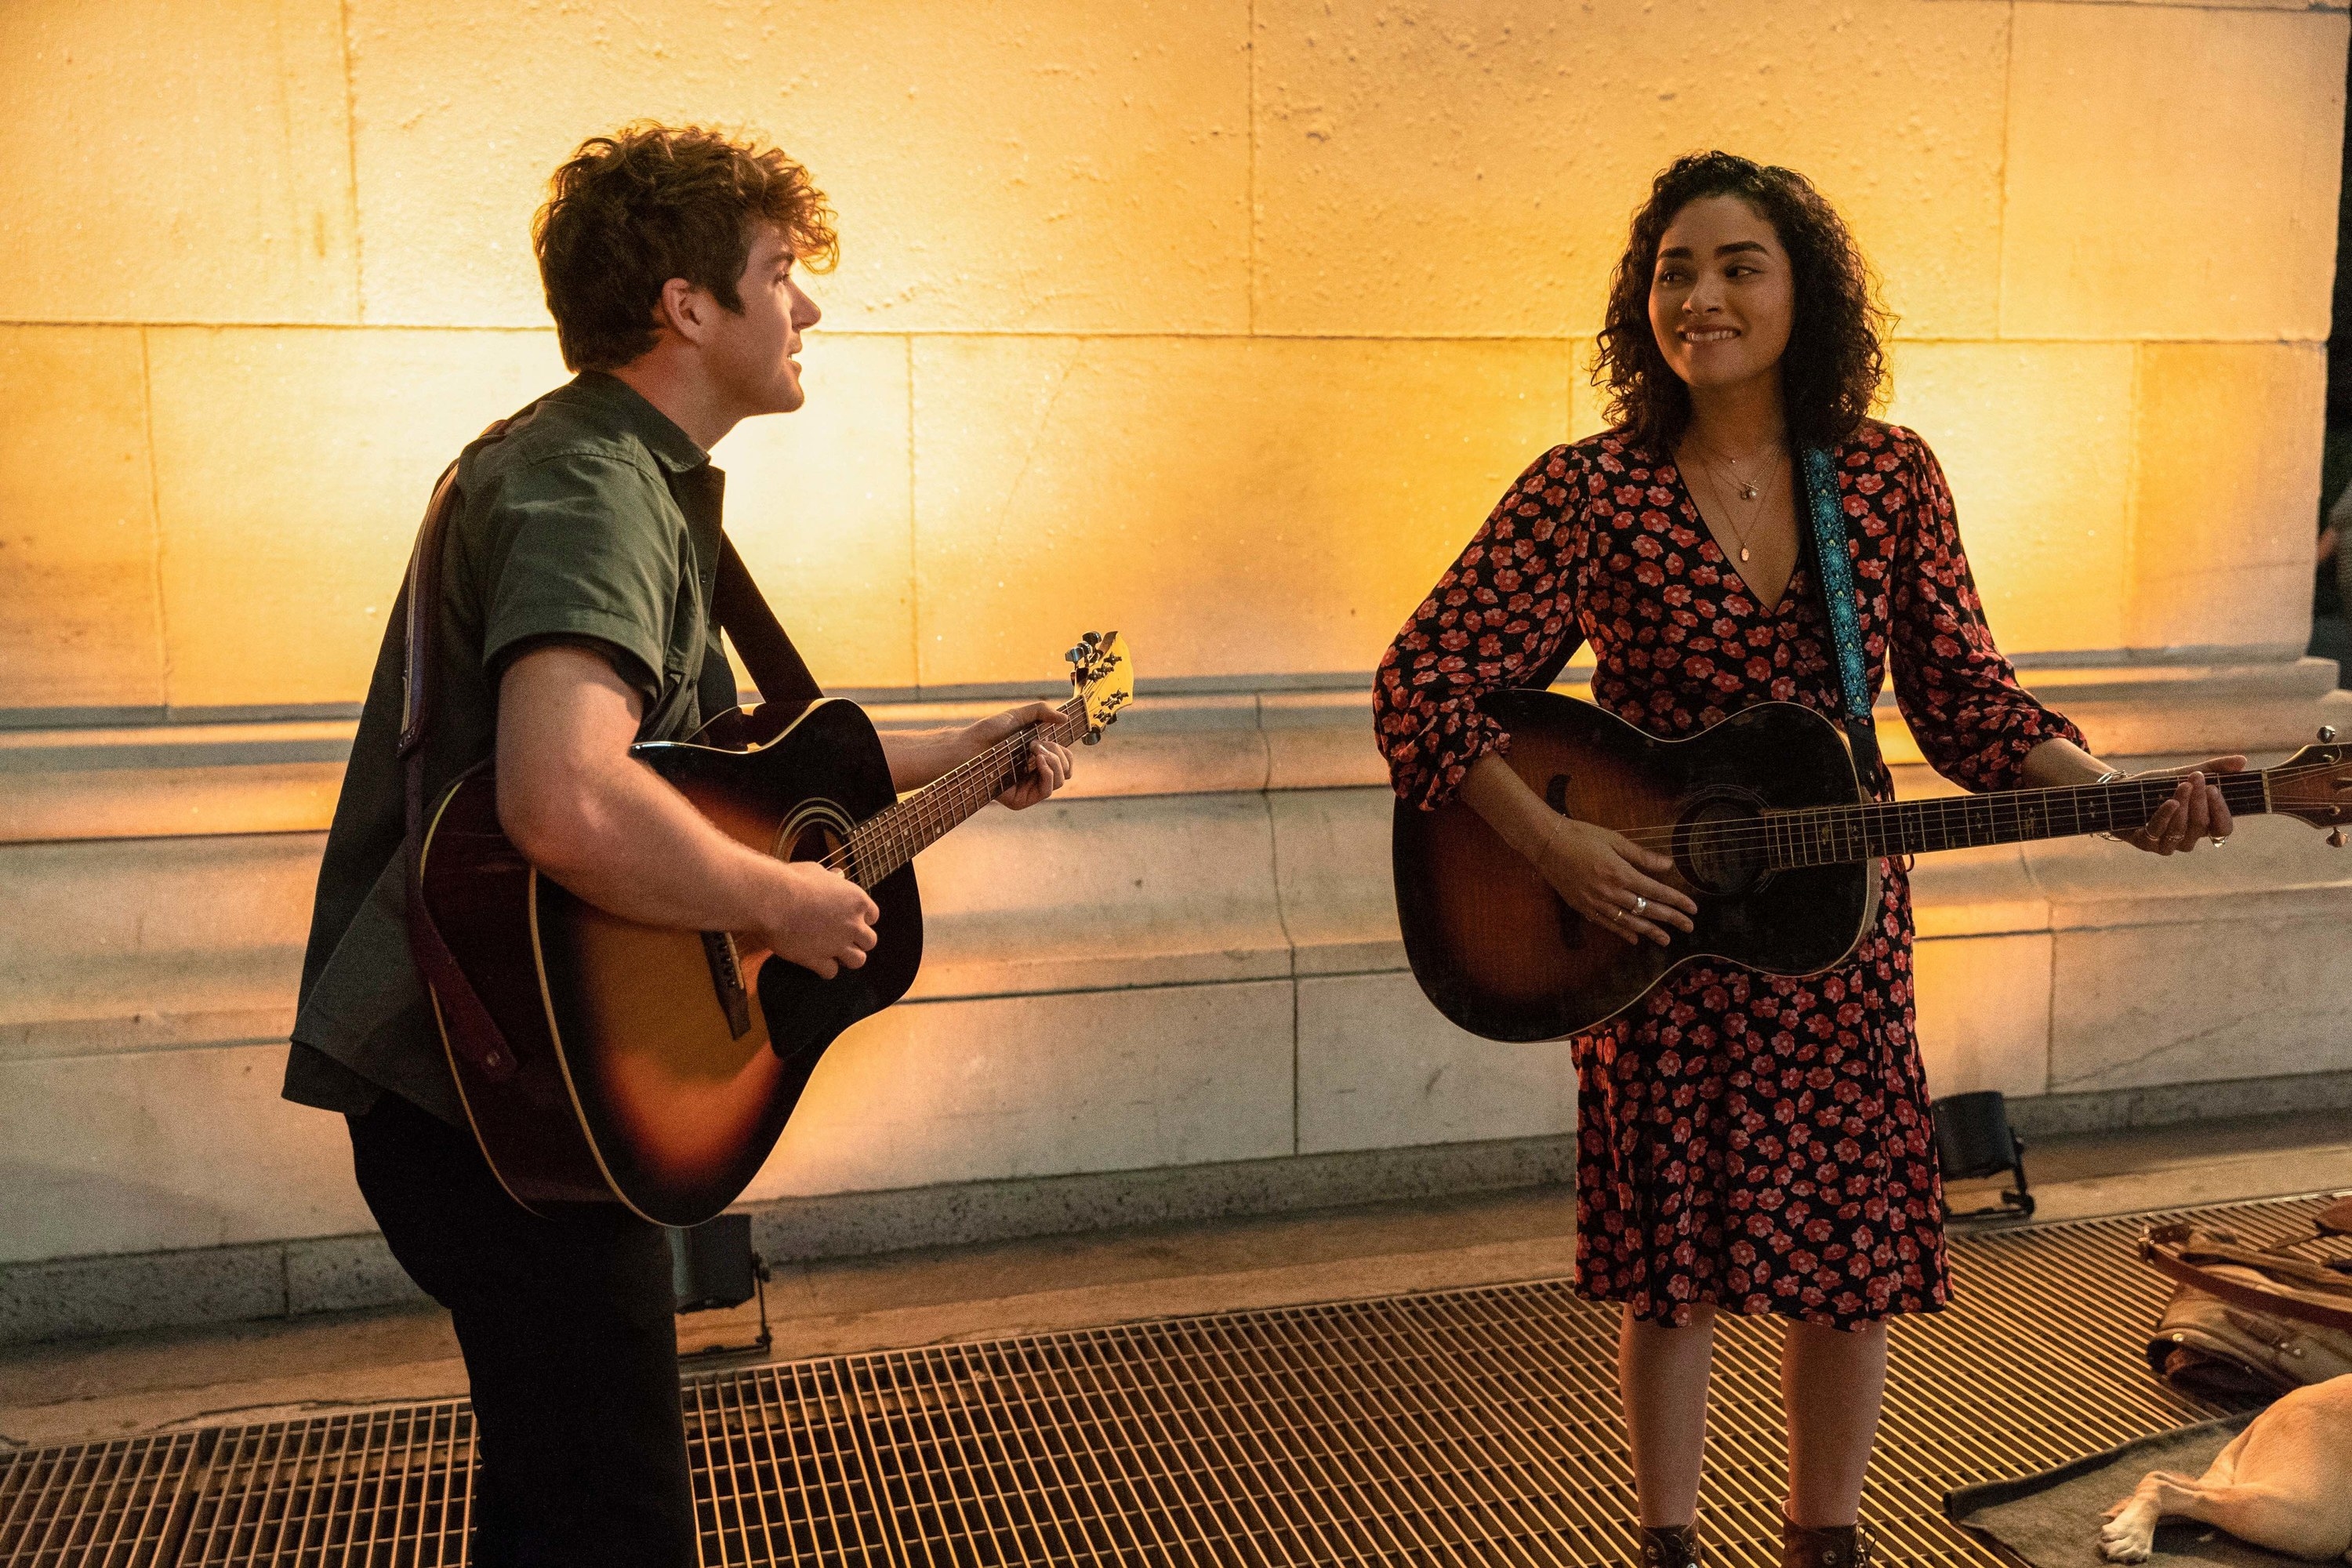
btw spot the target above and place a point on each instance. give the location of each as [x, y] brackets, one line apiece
[1747, 1143]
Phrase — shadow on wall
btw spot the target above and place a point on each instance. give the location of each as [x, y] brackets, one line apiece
[2331, 618]
[42, 1194]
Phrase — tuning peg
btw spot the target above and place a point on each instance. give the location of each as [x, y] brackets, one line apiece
[1092, 639]
[2336, 839]
[2327, 734]
[1079, 655]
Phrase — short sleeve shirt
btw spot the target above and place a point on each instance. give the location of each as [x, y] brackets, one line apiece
[592, 519]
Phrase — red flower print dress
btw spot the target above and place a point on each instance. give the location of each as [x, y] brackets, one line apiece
[1759, 1143]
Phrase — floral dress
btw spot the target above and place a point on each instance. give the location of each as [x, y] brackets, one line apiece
[1751, 1140]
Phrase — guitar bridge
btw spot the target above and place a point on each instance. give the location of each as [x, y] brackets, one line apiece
[727, 979]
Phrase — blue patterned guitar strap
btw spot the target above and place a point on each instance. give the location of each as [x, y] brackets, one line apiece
[1836, 569]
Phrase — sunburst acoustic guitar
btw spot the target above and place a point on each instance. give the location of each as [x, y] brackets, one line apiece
[658, 1066]
[1771, 834]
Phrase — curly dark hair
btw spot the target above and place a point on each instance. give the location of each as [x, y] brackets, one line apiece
[629, 212]
[1835, 366]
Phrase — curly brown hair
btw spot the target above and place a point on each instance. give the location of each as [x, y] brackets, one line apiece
[629, 212]
[1834, 367]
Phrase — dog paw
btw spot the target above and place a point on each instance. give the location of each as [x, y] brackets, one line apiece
[2120, 1543]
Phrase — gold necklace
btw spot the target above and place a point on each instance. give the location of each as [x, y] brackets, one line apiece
[1748, 488]
[1749, 492]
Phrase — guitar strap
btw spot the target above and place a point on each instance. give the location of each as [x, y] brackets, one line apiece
[466, 1024]
[783, 677]
[786, 687]
[1836, 570]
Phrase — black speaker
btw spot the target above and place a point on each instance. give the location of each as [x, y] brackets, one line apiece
[1973, 1139]
[712, 1265]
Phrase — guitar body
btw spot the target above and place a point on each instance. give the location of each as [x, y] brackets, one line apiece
[1500, 953]
[658, 1066]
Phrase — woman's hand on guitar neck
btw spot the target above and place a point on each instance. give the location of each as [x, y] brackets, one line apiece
[1603, 876]
[2196, 810]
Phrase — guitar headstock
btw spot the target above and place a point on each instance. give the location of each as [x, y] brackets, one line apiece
[1104, 677]
[2315, 783]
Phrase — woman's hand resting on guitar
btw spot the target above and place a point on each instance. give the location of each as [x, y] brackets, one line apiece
[1603, 876]
[825, 922]
[1612, 881]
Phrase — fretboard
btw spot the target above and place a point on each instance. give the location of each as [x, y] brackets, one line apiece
[1835, 834]
[896, 834]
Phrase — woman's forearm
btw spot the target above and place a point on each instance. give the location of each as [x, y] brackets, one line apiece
[2058, 761]
[1513, 810]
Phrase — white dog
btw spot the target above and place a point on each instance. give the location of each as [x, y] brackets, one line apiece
[2284, 1483]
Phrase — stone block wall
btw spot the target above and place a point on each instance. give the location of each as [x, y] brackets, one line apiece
[1221, 325]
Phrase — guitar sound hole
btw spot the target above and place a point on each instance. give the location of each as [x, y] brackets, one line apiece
[811, 834]
[1719, 845]
[814, 843]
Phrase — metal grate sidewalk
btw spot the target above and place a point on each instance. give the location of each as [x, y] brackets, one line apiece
[1460, 1428]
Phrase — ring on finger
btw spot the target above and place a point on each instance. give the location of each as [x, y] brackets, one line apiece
[1640, 903]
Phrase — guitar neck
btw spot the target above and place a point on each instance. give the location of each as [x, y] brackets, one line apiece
[1827, 836]
[896, 834]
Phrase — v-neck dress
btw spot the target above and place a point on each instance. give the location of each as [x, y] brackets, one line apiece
[1753, 1142]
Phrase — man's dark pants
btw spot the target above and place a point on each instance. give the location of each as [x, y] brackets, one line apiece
[570, 1343]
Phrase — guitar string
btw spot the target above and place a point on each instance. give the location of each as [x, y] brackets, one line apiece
[918, 806]
[1965, 814]
[905, 827]
[1886, 820]
[1798, 830]
[923, 818]
[2140, 792]
[1993, 813]
[1934, 812]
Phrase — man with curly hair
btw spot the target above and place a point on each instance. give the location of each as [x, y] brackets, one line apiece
[577, 576]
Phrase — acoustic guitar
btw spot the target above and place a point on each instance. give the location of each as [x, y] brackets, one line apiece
[659, 1067]
[1772, 835]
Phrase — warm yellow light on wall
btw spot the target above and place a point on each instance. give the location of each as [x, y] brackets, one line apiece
[1227, 326]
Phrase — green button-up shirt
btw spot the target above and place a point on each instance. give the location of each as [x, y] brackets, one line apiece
[592, 520]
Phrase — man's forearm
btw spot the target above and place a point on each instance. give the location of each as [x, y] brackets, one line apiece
[634, 847]
[918, 757]
[601, 823]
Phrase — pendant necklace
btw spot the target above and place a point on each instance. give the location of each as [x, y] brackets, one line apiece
[1749, 490]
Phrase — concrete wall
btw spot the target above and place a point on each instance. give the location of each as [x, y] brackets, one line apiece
[1223, 324]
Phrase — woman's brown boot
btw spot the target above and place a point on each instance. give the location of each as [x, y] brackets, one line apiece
[1673, 1546]
[1838, 1546]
